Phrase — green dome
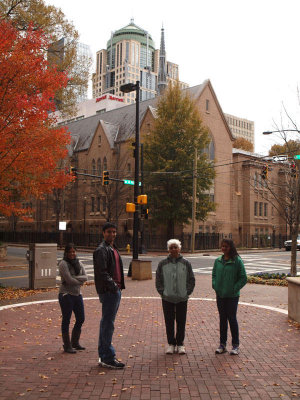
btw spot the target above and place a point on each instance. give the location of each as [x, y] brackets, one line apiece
[131, 32]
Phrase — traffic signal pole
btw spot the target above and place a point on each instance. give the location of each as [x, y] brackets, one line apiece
[135, 242]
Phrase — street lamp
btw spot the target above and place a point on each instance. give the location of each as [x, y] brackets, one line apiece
[127, 88]
[282, 130]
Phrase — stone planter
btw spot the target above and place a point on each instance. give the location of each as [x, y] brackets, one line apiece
[3, 251]
[294, 298]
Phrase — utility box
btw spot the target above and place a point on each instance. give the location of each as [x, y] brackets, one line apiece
[42, 265]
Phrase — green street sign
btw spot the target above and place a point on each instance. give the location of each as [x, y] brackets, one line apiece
[297, 157]
[128, 182]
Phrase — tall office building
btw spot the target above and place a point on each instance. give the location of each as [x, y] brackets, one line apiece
[241, 127]
[131, 56]
[56, 55]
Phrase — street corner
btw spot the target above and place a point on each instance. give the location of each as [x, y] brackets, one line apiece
[34, 366]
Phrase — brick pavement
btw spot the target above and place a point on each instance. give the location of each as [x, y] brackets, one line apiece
[34, 366]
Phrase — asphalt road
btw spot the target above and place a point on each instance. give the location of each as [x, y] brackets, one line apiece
[255, 261]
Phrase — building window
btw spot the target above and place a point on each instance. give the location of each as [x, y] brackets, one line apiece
[255, 208]
[94, 167]
[266, 209]
[99, 137]
[104, 164]
[255, 179]
[260, 209]
[99, 166]
[92, 204]
[98, 203]
[128, 167]
[207, 105]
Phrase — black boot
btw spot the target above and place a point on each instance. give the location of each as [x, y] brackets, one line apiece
[67, 344]
[75, 339]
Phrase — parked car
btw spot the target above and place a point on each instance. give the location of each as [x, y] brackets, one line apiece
[288, 244]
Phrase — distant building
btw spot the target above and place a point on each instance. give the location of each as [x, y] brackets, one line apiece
[100, 105]
[56, 53]
[241, 127]
[131, 56]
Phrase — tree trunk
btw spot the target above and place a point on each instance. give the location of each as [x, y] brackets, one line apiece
[170, 229]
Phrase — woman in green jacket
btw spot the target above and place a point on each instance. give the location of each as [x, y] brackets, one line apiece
[228, 277]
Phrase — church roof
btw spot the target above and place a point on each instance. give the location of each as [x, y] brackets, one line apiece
[118, 124]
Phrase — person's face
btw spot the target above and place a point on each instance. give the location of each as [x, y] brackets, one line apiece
[109, 235]
[174, 251]
[225, 249]
[71, 254]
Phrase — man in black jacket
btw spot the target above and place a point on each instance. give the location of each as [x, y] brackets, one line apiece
[109, 281]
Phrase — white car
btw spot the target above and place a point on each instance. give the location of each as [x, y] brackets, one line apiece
[288, 244]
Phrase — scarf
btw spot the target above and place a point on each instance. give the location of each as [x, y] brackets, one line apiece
[74, 263]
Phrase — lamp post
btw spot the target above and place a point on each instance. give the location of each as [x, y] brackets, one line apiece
[127, 88]
[282, 130]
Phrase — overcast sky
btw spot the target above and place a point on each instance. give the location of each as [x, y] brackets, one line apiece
[249, 49]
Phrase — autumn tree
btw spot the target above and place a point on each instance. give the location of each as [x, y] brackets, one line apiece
[30, 147]
[169, 151]
[290, 147]
[244, 144]
[51, 20]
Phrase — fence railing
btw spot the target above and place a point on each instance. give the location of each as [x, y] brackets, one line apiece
[203, 241]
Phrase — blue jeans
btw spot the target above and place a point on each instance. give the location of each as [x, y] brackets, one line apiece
[110, 305]
[227, 308]
[69, 303]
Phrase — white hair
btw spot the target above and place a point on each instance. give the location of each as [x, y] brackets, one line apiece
[174, 241]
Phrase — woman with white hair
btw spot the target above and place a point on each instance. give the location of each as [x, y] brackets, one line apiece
[175, 281]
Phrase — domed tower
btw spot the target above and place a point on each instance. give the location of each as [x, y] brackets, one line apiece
[130, 56]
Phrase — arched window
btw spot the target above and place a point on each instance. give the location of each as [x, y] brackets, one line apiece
[104, 164]
[210, 150]
[94, 167]
[99, 166]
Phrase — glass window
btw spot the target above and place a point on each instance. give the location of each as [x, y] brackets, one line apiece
[260, 209]
[104, 163]
[98, 203]
[92, 204]
[255, 208]
[266, 209]
[99, 166]
[94, 167]
[207, 105]
[132, 53]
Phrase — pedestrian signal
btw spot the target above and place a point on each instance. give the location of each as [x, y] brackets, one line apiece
[130, 207]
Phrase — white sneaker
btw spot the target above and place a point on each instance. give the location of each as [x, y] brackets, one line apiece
[181, 350]
[170, 349]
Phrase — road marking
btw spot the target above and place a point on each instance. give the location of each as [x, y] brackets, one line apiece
[279, 310]
[14, 277]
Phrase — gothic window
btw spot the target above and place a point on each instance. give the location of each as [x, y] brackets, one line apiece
[94, 167]
[104, 164]
[99, 166]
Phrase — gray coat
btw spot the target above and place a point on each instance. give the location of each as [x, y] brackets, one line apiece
[70, 283]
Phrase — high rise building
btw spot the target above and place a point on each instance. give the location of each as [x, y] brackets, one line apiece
[131, 56]
[56, 55]
[241, 127]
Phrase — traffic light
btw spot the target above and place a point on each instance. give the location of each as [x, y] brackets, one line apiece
[130, 207]
[145, 213]
[73, 171]
[105, 178]
[264, 171]
[293, 170]
[142, 199]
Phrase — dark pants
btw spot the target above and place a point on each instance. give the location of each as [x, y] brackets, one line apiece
[174, 311]
[110, 305]
[69, 303]
[227, 310]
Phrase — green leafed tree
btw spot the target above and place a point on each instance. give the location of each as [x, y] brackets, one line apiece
[56, 27]
[169, 151]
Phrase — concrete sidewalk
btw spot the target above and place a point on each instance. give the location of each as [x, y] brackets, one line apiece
[34, 366]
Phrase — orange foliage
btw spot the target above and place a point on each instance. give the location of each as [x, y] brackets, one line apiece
[30, 146]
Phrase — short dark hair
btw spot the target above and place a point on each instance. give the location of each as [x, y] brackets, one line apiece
[108, 225]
